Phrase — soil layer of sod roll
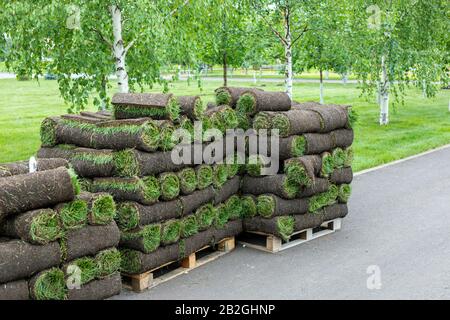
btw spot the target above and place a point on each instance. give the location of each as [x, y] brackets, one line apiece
[101, 207]
[270, 205]
[342, 138]
[36, 227]
[228, 189]
[89, 241]
[196, 199]
[98, 289]
[141, 105]
[333, 116]
[142, 134]
[48, 285]
[276, 184]
[318, 186]
[253, 101]
[131, 215]
[231, 229]
[16, 290]
[42, 189]
[312, 220]
[23, 167]
[192, 107]
[19, 260]
[86, 162]
[145, 239]
[343, 175]
[295, 122]
[145, 191]
[280, 226]
[230, 95]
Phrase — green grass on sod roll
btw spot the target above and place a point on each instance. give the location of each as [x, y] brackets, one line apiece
[262, 120]
[339, 157]
[129, 261]
[199, 108]
[285, 226]
[103, 209]
[125, 163]
[173, 109]
[234, 207]
[282, 123]
[50, 285]
[323, 199]
[127, 217]
[48, 133]
[167, 140]
[170, 185]
[205, 216]
[171, 231]
[266, 206]
[85, 184]
[243, 121]
[152, 188]
[108, 261]
[189, 226]
[291, 188]
[97, 159]
[298, 146]
[150, 234]
[222, 216]
[229, 118]
[233, 169]
[246, 103]
[220, 175]
[46, 228]
[296, 174]
[204, 176]
[255, 164]
[249, 208]
[88, 267]
[188, 180]
[222, 97]
[75, 183]
[345, 190]
[74, 214]
[348, 157]
[327, 164]
[187, 125]
[352, 117]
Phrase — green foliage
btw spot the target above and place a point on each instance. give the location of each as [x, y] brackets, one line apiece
[339, 157]
[262, 120]
[323, 199]
[290, 188]
[298, 146]
[222, 97]
[74, 179]
[130, 261]
[234, 207]
[246, 104]
[282, 123]
[220, 174]
[152, 188]
[204, 176]
[222, 215]
[188, 180]
[150, 236]
[345, 190]
[297, 174]
[328, 164]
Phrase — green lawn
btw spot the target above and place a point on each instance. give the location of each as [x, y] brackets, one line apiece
[420, 125]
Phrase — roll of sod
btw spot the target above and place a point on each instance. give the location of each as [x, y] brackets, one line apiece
[145, 191]
[19, 260]
[222, 215]
[37, 190]
[318, 186]
[222, 117]
[316, 143]
[48, 285]
[89, 241]
[339, 157]
[312, 220]
[170, 232]
[108, 262]
[234, 207]
[196, 242]
[86, 268]
[189, 226]
[278, 184]
[98, 289]
[205, 216]
[204, 176]
[295, 122]
[348, 157]
[142, 105]
[85, 184]
[22, 167]
[230, 95]
[106, 115]
[245, 122]
[280, 226]
[220, 175]
[269, 205]
[170, 185]
[323, 199]
[131, 215]
[145, 239]
[303, 170]
[333, 116]
[167, 140]
[345, 190]
[116, 135]
[135, 262]
[83, 119]
[233, 168]
[192, 107]
[335, 211]
[263, 120]
[341, 176]
[101, 207]
[36, 227]
[342, 138]
[86, 162]
[254, 101]
[195, 200]
[249, 208]
[73, 215]
[230, 188]
[16, 290]
[231, 229]
[256, 163]
[188, 180]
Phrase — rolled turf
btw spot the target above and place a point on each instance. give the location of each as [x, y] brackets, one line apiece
[170, 231]
[230, 95]
[222, 215]
[86, 268]
[254, 101]
[36, 227]
[170, 185]
[22, 167]
[189, 226]
[312, 220]
[140, 105]
[101, 207]
[276, 184]
[220, 175]
[222, 117]
[303, 170]
[269, 205]
[98, 289]
[146, 239]
[341, 176]
[249, 206]
[318, 186]
[145, 191]
[16, 290]
[115, 135]
[19, 260]
[234, 207]
[204, 176]
[342, 138]
[205, 216]
[36, 190]
[333, 116]
[323, 199]
[192, 106]
[188, 180]
[280, 226]
[263, 120]
[89, 241]
[230, 188]
[196, 199]
[296, 122]
[131, 215]
[345, 190]
[108, 262]
[48, 285]
[73, 215]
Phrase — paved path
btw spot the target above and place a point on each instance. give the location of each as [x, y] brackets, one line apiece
[399, 220]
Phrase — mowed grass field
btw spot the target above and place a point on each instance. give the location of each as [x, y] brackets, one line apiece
[421, 124]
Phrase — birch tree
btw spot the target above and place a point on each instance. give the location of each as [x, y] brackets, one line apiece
[84, 42]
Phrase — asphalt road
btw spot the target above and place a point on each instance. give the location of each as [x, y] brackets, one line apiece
[398, 224]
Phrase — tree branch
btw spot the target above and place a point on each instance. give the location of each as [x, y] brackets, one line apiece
[102, 37]
[301, 33]
[278, 34]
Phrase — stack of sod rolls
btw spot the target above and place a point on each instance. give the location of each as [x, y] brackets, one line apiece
[313, 183]
[46, 226]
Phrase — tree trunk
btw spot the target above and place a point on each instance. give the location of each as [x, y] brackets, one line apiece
[321, 87]
[384, 93]
[119, 50]
[225, 69]
[288, 53]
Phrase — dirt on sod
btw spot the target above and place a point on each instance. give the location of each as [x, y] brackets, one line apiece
[23, 167]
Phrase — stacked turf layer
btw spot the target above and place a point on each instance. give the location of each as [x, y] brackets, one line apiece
[49, 227]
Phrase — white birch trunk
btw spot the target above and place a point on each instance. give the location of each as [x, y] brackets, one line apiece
[321, 93]
[288, 53]
[384, 93]
[254, 76]
[119, 50]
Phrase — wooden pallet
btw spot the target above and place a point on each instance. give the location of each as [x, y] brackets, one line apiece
[173, 269]
[270, 243]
